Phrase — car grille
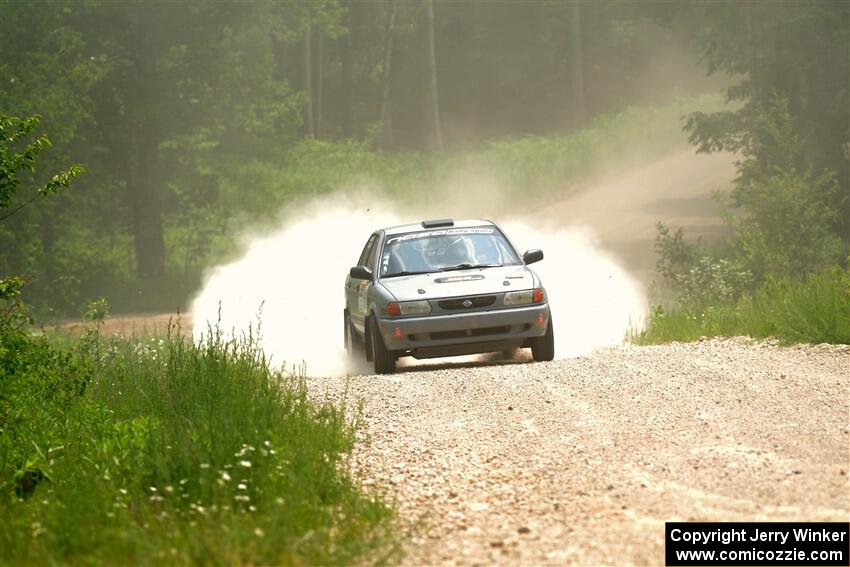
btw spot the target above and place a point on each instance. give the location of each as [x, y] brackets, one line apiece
[475, 302]
[470, 333]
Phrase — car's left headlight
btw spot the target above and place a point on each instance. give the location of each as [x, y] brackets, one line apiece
[524, 297]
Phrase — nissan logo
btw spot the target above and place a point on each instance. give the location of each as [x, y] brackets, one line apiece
[467, 303]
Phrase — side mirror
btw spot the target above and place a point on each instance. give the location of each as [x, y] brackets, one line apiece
[360, 273]
[532, 256]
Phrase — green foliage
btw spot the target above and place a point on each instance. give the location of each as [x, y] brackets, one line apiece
[783, 223]
[675, 255]
[774, 144]
[13, 161]
[167, 451]
[799, 86]
[37, 385]
[698, 279]
[97, 311]
[12, 307]
[814, 310]
[18, 155]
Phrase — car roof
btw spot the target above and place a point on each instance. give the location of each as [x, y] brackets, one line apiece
[463, 223]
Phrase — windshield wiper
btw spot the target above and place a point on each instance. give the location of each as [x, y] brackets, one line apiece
[467, 266]
[404, 273]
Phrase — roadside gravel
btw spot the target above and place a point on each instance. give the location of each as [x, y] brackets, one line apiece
[583, 460]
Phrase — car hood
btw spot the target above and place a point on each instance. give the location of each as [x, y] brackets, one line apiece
[474, 281]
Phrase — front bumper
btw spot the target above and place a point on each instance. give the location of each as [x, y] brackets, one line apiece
[430, 336]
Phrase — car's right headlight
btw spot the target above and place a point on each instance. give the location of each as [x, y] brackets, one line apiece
[415, 307]
[408, 308]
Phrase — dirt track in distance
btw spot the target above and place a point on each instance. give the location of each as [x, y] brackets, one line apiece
[581, 461]
[133, 325]
[622, 209]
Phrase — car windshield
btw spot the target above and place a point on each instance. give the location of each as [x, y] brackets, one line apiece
[446, 249]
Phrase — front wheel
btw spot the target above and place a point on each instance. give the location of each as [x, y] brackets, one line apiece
[381, 356]
[543, 348]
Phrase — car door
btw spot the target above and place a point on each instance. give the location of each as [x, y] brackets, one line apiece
[357, 290]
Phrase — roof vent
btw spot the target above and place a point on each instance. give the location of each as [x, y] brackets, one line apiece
[437, 222]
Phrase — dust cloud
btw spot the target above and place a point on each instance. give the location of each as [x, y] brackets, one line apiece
[594, 301]
[288, 285]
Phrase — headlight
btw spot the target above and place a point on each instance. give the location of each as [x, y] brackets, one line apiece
[415, 307]
[407, 308]
[524, 297]
[518, 298]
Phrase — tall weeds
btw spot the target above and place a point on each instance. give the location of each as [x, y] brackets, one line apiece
[813, 310]
[166, 451]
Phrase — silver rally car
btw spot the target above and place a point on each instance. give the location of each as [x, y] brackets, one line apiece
[444, 288]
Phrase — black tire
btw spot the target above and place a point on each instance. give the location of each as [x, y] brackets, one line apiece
[543, 348]
[353, 343]
[383, 358]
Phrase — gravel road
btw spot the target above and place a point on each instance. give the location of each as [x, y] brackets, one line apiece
[581, 461]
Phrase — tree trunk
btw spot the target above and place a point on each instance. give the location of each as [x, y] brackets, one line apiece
[308, 82]
[751, 44]
[574, 43]
[146, 203]
[432, 78]
[349, 118]
[320, 48]
[144, 185]
[279, 54]
[386, 110]
[48, 241]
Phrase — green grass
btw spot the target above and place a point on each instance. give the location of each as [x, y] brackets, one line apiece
[816, 310]
[167, 452]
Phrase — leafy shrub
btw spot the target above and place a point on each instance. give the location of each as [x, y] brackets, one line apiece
[38, 385]
[785, 225]
[167, 451]
[698, 278]
[711, 280]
